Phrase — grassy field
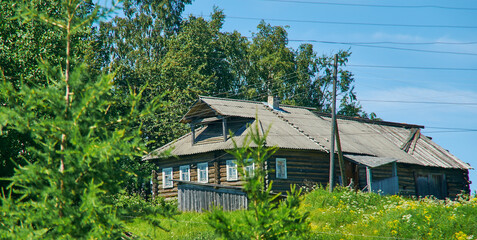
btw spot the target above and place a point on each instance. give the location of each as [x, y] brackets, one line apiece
[346, 214]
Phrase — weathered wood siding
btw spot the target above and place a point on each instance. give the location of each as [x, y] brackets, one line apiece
[456, 180]
[303, 167]
[175, 163]
[378, 174]
[200, 197]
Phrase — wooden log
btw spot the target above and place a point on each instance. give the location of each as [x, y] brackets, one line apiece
[154, 184]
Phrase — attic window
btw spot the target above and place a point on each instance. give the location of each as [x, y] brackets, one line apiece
[213, 132]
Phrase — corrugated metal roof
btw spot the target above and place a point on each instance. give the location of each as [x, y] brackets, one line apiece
[301, 128]
[370, 161]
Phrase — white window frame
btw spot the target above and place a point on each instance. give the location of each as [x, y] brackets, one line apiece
[184, 168]
[167, 172]
[247, 168]
[200, 166]
[279, 174]
[232, 167]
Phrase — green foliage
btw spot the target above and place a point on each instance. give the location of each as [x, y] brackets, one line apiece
[137, 49]
[187, 225]
[345, 214]
[77, 142]
[23, 45]
[358, 215]
[133, 205]
[267, 218]
[185, 58]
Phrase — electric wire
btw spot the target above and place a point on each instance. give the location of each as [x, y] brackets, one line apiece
[352, 23]
[390, 47]
[373, 5]
[412, 67]
[383, 42]
[373, 45]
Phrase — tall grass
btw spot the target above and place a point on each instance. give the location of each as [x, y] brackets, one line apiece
[346, 214]
[357, 215]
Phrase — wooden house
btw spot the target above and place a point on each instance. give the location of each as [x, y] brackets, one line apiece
[386, 157]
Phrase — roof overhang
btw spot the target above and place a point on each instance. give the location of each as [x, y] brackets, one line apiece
[370, 161]
[199, 110]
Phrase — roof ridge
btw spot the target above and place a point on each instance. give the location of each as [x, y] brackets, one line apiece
[230, 99]
[366, 120]
[257, 102]
[296, 128]
[315, 111]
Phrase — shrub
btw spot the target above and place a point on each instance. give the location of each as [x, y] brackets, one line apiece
[266, 219]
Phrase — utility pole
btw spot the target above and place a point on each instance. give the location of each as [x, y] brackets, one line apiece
[333, 126]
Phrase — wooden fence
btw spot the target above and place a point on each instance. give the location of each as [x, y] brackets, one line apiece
[198, 197]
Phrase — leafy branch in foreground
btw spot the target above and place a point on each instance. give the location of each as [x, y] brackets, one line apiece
[64, 191]
[267, 217]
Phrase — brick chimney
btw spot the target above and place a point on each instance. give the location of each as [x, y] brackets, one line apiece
[273, 102]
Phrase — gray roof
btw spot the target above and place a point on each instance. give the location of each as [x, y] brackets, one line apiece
[370, 161]
[305, 129]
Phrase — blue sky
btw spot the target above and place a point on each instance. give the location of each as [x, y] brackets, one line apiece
[377, 86]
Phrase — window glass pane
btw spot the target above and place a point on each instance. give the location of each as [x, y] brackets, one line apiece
[249, 169]
[167, 177]
[202, 172]
[185, 173]
[231, 170]
[281, 168]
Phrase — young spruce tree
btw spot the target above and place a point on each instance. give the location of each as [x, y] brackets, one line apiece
[267, 217]
[77, 144]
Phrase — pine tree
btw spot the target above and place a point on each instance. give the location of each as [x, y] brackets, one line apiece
[64, 190]
[267, 217]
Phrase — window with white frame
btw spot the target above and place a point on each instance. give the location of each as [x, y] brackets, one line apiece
[232, 170]
[250, 168]
[167, 174]
[281, 168]
[203, 172]
[185, 173]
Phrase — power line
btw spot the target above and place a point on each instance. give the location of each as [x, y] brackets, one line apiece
[370, 66]
[412, 67]
[353, 23]
[371, 45]
[449, 129]
[388, 47]
[374, 5]
[385, 42]
[420, 102]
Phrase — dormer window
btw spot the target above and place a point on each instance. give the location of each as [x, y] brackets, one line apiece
[217, 131]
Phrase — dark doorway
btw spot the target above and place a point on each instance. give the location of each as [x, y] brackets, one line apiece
[431, 184]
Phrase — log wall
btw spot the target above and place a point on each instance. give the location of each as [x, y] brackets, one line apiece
[303, 168]
[306, 168]
[456, 180]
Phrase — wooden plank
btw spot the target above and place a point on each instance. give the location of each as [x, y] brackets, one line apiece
[216, 172]
[369, 178]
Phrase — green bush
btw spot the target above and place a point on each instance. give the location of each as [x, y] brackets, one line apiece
[350, 214]
[266, 218]
[133, 205]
